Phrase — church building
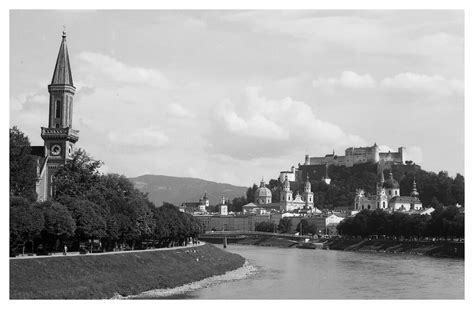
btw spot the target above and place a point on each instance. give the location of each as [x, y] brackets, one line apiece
[59, 136]
[388, 197]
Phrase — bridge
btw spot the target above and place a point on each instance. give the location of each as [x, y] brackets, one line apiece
[242, 234]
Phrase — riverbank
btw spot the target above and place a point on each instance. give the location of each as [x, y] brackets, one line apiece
[128, 273]
[429, 248]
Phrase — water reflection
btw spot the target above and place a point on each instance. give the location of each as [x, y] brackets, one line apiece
[323, 274]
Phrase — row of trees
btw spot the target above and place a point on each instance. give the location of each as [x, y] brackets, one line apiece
[445, 222]
[88, 206]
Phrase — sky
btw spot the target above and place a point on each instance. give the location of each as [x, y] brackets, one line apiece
[233, 96]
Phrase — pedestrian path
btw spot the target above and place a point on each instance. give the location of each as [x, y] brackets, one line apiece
[76, 253]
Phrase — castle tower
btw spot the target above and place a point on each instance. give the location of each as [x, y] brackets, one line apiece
[308, 195]
[376, 151]
[401, 151]
[59, 137]
[205, 200]
[306, 160]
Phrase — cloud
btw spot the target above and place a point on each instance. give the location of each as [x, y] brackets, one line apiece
[147, 138]
[116, 71]
[347, 79]
[407, 82]
[419, 83]
[255, 127]
[179, 111]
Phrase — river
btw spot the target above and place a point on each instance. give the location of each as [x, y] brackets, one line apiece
[276, 273]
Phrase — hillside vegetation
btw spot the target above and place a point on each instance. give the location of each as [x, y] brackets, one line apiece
[176, 190]
[434, 188]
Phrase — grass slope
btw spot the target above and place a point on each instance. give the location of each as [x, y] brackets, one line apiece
[101, 276]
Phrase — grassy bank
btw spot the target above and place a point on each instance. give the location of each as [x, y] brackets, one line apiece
[436, 249]
[101, 276]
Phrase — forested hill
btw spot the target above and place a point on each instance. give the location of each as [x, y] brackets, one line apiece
[177, 190]
[445, 189]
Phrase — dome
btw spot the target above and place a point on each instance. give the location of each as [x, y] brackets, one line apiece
[391, 183]
[263, 192]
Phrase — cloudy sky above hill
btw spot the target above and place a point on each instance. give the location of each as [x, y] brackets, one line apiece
[232, 96]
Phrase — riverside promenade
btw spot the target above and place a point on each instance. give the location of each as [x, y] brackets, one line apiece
[76, 253]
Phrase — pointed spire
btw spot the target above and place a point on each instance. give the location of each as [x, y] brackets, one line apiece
[414, 191]
[62, 71]
[262, 183]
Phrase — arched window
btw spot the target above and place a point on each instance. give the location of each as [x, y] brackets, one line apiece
[368, 206]
[58, 109]
[383, 204]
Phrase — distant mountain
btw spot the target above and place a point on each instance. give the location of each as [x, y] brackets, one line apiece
[177, 190]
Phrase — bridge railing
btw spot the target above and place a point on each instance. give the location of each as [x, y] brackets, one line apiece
[229, 233]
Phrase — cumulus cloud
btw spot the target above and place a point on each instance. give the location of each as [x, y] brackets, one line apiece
[256, 127]
[403, 82]
[416, 83]
[179, 111]
[347, 79]
[146, 138]
[116, 71]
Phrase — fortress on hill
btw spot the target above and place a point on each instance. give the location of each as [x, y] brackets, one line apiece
[358, 155]
[316, 167]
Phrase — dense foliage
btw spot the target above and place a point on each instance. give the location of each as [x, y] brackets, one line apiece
[265, 226]
[101, 211]
[22, 166]
[445, 222]
[304, 227]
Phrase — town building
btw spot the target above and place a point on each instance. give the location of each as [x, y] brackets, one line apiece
[59, 136]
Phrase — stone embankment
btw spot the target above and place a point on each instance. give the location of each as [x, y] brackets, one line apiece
[431, 248]
[107, 275]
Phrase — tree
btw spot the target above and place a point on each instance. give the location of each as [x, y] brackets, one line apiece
[306, 228]
[251, 193]
[265, 226]
[26, 222]
[90, 224]
[285, 225]
[22, 166]
[58, 223]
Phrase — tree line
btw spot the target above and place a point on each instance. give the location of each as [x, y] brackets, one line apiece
[443, 223]
[87, 207]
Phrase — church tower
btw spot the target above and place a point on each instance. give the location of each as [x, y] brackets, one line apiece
[308, 195]
[286, 195]
[59, 137]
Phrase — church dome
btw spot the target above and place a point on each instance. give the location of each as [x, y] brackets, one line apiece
[391, 183]
[263, 192]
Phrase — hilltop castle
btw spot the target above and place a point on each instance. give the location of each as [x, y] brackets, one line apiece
[59, 137]
[358, 155]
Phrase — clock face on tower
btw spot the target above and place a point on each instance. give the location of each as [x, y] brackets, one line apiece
[55, 150]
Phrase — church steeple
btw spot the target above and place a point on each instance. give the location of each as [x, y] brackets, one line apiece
[62, 71]
[414, 191]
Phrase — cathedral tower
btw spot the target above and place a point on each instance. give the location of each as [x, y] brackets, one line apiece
[308, 195]
[59, 137]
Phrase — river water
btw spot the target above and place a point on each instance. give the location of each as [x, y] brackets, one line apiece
[276, 273]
